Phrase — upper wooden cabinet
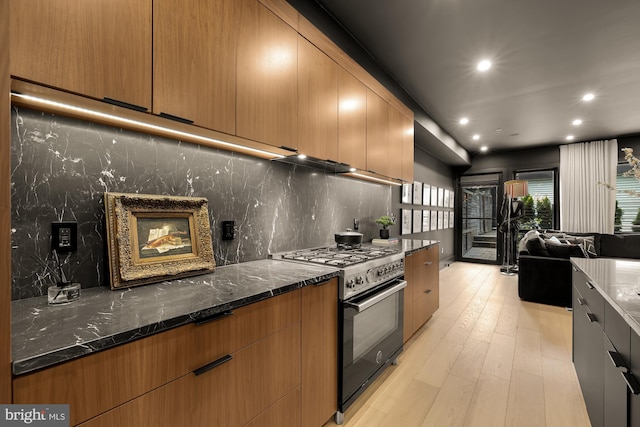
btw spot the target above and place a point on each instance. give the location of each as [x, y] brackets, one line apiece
[267, 77]
[352, 120]
[317, 102]
[99, 48]
[377, 134]
[395, 142]
[407, 149]
[194, 62]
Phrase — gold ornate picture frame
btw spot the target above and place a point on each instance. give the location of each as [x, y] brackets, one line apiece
[154, 238]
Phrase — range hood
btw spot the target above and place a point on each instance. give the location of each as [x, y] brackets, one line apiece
[312, 162]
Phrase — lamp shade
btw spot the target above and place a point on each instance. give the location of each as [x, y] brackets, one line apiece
[516, 188]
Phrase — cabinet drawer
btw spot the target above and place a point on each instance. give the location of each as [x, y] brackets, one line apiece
[618, 332]
[227, 334]
[590, 295]
[231, 394]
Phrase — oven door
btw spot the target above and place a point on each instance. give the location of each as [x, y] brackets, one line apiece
[372, 337]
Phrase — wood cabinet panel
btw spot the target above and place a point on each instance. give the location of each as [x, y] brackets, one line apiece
[285, 412]
[426, 286]
[5, 216]
[395, 142]
[407, 149]
[408, 330]
[194, 62]
[352, 120]
[97, 48]
[267, 76]
[103, 380]
[319, 353]
[377, 134]
[317, 103]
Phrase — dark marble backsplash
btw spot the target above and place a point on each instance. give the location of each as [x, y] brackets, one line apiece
[61, 167]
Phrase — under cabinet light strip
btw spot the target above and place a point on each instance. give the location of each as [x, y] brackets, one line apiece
[384, 181]
[141, 124]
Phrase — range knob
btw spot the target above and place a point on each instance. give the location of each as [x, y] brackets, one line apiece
[359, 280]
[351, 284]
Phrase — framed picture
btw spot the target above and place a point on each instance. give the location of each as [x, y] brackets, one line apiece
[440, 197]
[445, 220]
[451, 219]
[407, 194]
[451, 199]
[154, 238]
[417, 220]
[434, 221]
[405, 214]
[441, 220]
[426, 195]
[417, 193]
[434, 196]
[425, 220]
[445, 201]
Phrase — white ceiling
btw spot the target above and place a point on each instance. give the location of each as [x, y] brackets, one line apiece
[546, 55]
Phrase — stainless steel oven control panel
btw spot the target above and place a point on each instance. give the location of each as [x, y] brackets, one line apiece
[370, 275]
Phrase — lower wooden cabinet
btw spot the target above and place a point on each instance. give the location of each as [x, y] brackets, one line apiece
[271, 363]
[422, 295]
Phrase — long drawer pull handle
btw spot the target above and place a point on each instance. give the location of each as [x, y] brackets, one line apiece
[214, 364]
[428, 263]
[589, 284]
[580, 301]
[213, 317]
[591, 317]
[428, 291]
[632, 382]
[617, 359]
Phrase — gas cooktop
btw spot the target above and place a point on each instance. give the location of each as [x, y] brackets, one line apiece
[339, 256]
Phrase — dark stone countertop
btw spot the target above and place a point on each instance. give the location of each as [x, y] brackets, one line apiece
[618, 281]
[44, 335]
[410, 246]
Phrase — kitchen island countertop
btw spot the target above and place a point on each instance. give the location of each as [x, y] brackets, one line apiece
[44, 335]
[618, 281]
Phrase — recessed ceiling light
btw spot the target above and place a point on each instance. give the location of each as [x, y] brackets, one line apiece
[499, 130]
[570, 137]
[464, 121]
[476, 137]
[484, 65]
[353, 170]
[484, 148]
[588, 97]
[302, 156]
[576, 122]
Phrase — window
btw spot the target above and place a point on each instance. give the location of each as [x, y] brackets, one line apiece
[540, 205]
[628, 204]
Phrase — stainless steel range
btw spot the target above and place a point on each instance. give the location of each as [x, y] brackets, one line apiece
[371, 283]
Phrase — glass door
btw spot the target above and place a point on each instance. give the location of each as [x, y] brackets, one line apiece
[479, 218]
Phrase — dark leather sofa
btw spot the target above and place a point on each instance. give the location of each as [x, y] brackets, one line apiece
[546, 279]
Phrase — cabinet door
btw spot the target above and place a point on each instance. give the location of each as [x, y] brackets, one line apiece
[377, 134]
[588, 358]
[395, 142]
[194, 62]
[615, 388]
[352, 120]
[407, 149]
[267, 77]
[99, 48]
[317, 102]
[426, 290]
[634, 399]
[408, 330]
[319, 353]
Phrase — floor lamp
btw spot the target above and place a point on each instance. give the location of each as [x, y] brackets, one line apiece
[512, 190]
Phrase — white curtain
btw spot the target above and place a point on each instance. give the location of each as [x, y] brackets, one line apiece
[585, 204]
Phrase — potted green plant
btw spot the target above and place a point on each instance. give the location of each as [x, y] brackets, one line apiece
[385, 221]
[635, 224]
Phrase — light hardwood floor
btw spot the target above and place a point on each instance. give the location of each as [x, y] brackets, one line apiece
[484, 359]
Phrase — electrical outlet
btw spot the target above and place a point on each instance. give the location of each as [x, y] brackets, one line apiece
[442, 249]
[228, 230]
[64, 236]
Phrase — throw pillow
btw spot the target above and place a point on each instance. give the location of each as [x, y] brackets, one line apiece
[530, 235]
[565, 250]
[587, 243]
[537, 247]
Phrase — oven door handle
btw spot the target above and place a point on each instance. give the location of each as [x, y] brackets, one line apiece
[377, 297]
